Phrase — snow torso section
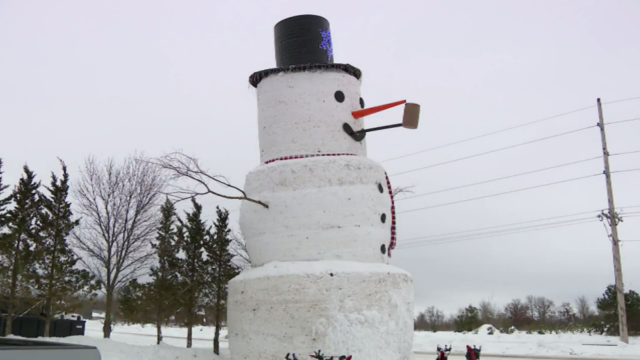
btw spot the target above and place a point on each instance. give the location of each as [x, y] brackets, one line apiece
[302, 113]
[321, 208]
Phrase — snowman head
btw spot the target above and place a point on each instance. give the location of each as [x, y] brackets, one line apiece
[302, 114]
[310, 106]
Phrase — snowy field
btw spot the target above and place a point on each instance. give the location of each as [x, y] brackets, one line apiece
[146, 335]
[576, 346]
[137, 342]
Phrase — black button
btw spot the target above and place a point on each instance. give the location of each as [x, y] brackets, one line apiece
[339, 96]
[383, 249]
[383, 218]
[380, 188]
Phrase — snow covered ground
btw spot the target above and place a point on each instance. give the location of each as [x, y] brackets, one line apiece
[146, 334]
[137, 342]
[561, 345]
[112, 349]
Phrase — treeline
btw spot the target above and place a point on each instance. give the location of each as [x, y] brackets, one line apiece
[57, 257]
[38, 268]
[194, 266]
[539, 314]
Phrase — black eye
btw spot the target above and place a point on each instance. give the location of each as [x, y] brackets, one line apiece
[362, 103]
[339, 96]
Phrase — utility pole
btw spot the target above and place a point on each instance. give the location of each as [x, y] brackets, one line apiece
[613, 219]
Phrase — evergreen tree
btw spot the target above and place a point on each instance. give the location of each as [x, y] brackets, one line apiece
[467, 319]
[133, 302]
[18, 244]
[57, 277]
[5, 201]
[608, 305]
[161, 291]
[191, 235]
[220, 269]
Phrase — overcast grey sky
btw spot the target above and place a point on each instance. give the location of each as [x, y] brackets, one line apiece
[112, 77]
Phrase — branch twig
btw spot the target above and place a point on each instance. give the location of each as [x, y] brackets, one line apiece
[184, 167]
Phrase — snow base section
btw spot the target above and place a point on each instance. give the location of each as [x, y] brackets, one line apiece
[328, 208]
[340, 307]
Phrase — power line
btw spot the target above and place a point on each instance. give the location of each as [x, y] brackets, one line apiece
[443, 235]
[621, 121]
[505, 225]
[498, 194]
[625, 153]
[491, 133]
[627, 170]
[400, 247]
[628, 216]
[507, 129]
[493, 236]
[627, 207]
[495, 150]
[619, 101]
[498, 233]
[500, 178]
[495, 232]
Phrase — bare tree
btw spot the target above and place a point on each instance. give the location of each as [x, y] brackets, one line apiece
[488, 311]
[118, 205]
[543, 308]
[566, 314]
[530, 302]
[239, 250]
[434, 318]
[517, 312]
[420, 323]
[182, 167]
[583, 308]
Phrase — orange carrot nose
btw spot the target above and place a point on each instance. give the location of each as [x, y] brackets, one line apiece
[372, 110]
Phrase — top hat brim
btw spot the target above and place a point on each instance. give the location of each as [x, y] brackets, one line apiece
[258, 76]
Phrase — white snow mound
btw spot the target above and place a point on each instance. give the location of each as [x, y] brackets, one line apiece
[486, 329]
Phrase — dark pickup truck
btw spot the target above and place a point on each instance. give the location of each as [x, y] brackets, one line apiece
[23, 349]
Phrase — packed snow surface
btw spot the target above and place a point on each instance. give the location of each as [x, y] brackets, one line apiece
[115, 350]
[486, 329]
[298, 114]
[323, 208]
[135, 342]
[520, 343]
[341, 307]
[136, 334]
[277, 268]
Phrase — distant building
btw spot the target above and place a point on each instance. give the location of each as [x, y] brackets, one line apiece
[97, 314]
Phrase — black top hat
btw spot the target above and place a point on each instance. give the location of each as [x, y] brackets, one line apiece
[303, 43]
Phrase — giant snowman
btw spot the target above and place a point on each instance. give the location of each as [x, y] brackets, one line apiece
[320, 276]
